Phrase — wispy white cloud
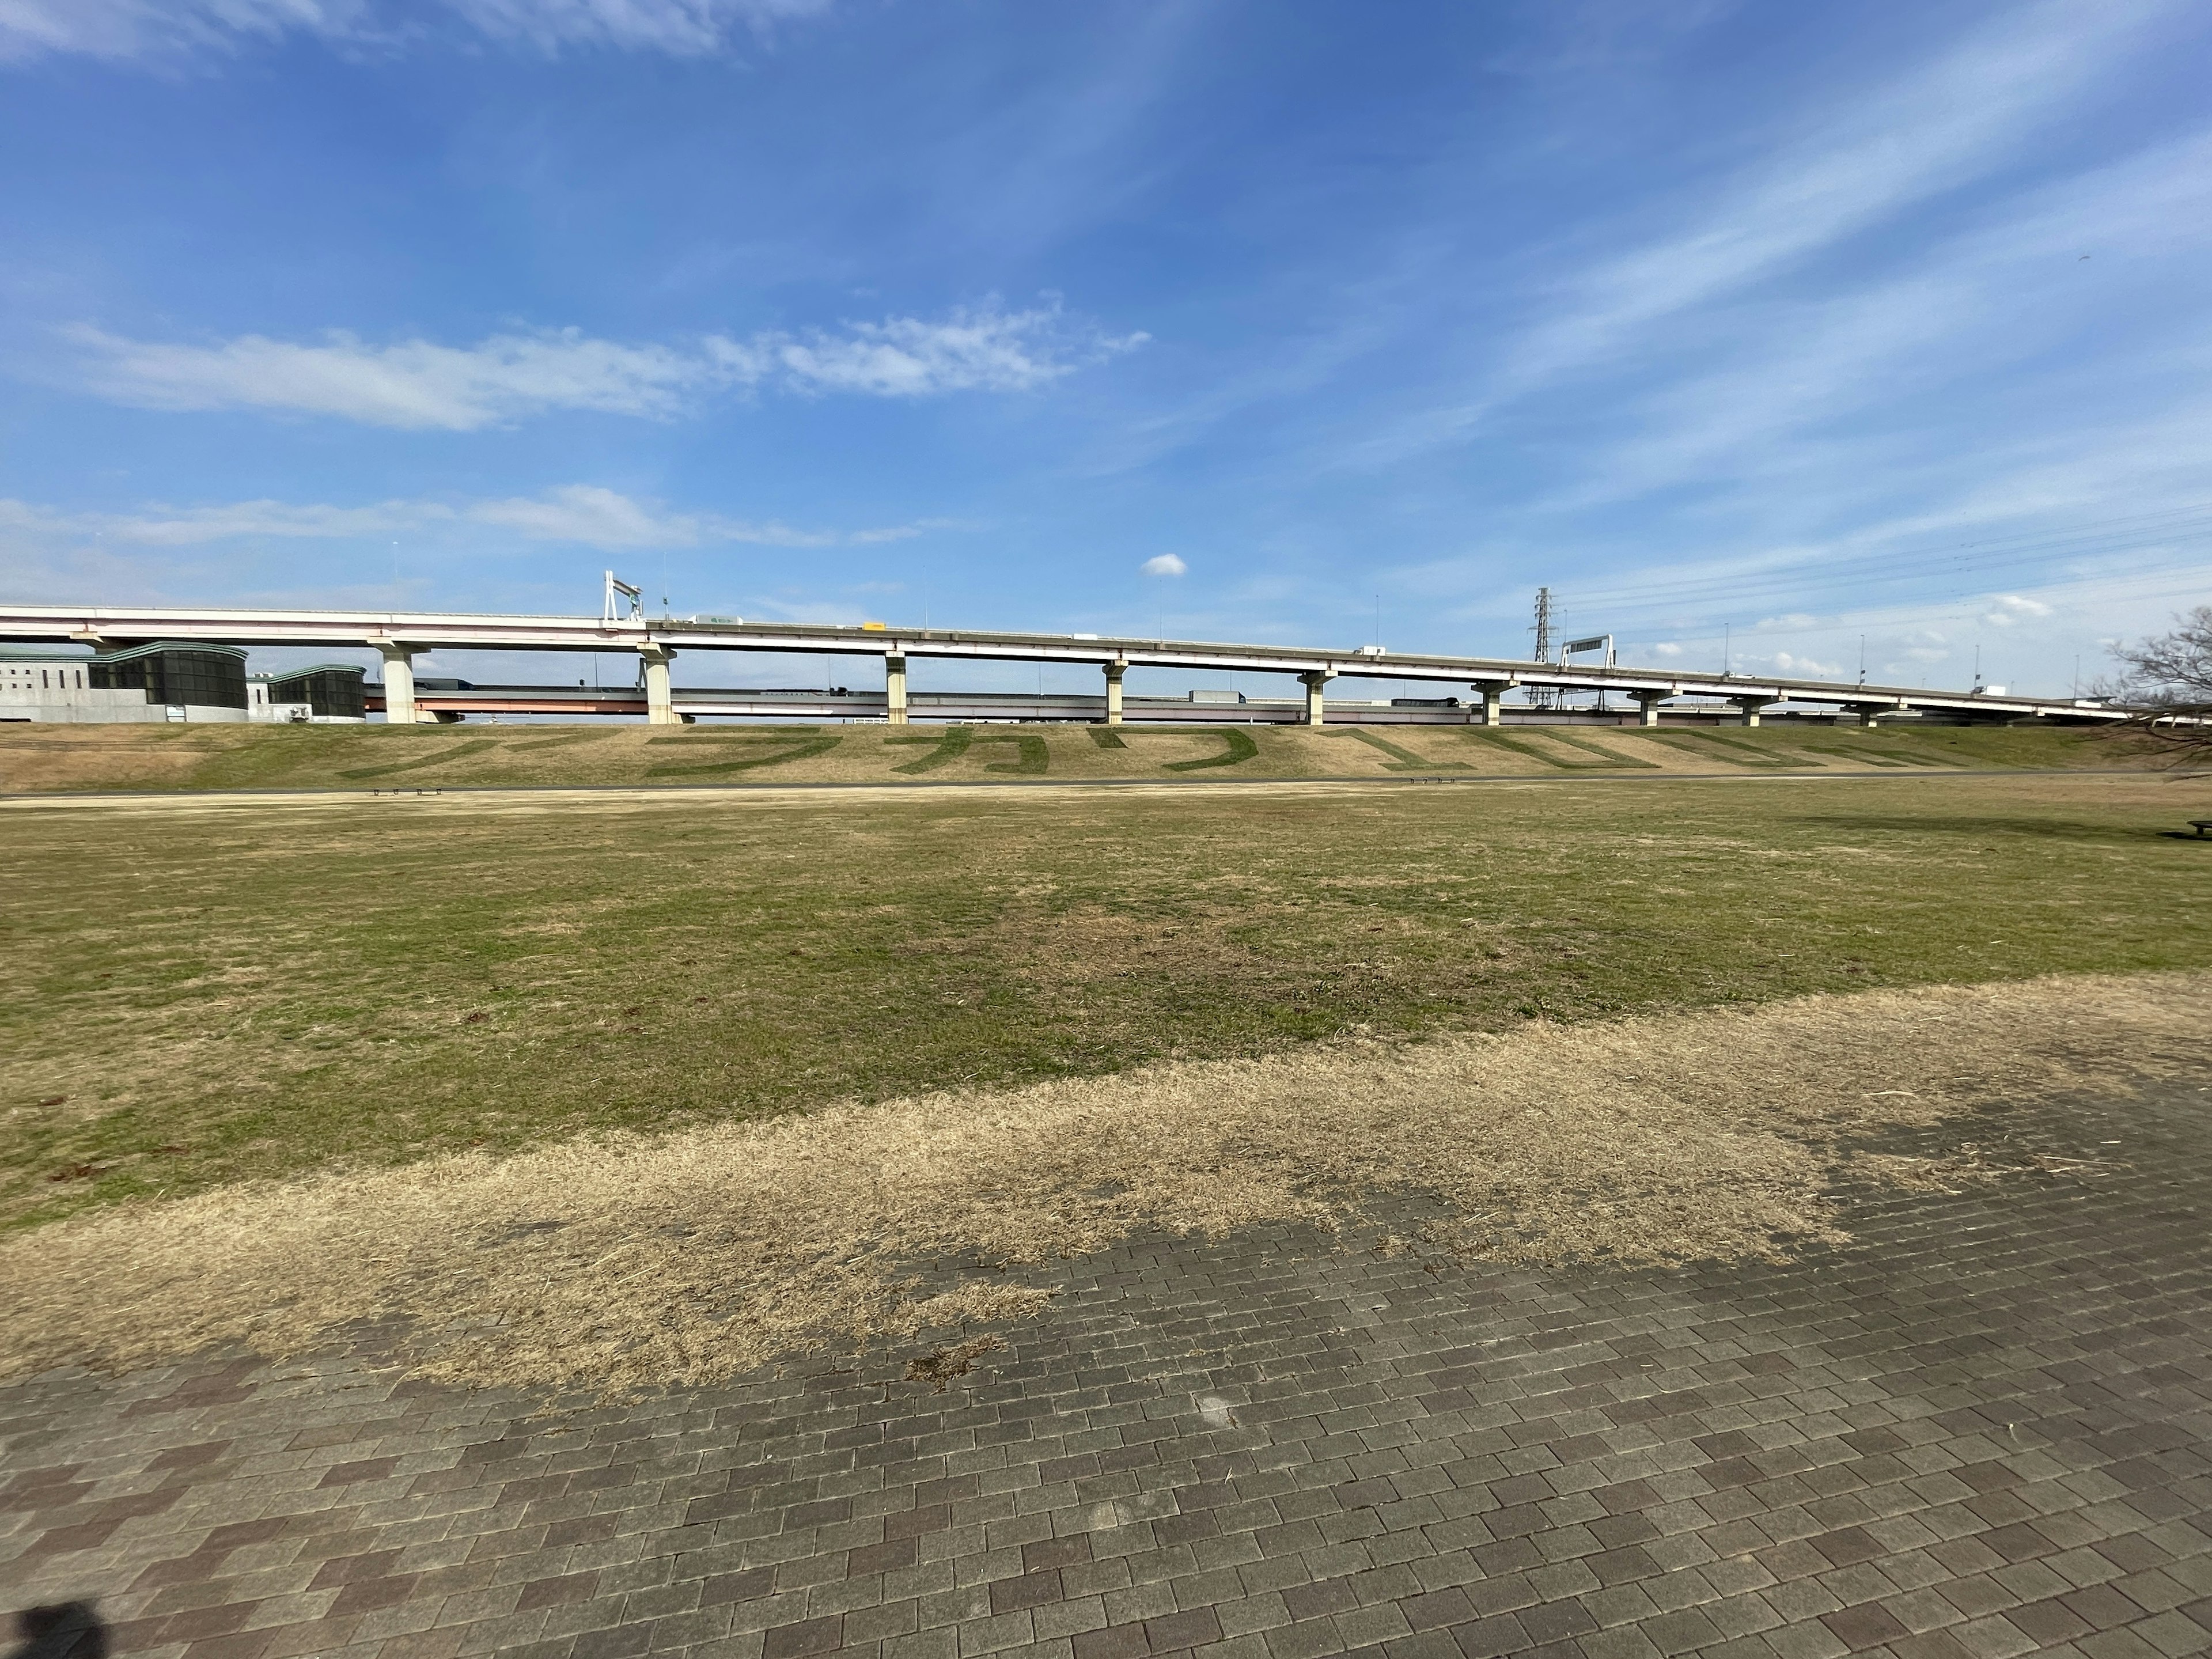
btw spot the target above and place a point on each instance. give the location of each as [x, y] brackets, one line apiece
[984, 350]
[167, 527]
[1799, 666]
[148, 29]
[1165, 564]
[419, 385]
[1892, 151]
[682, 27]
[2028, 638]
[412, 384]
[592, 516]
[1973, 303]
[585, 515]
[158, 29]
[1931, 130]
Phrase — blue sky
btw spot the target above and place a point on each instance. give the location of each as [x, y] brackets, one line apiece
[1783, 325]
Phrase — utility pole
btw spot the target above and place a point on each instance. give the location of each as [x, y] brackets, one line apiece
[1539, 697]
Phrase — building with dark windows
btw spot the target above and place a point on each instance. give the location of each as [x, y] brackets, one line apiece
[176, 675]
[330, 692]
[172, 680]
[69, 688]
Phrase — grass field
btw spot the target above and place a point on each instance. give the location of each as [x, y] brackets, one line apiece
[206, 991]
[51, 758]
[609, 1264]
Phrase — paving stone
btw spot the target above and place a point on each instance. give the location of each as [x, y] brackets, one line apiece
[1978, 1429]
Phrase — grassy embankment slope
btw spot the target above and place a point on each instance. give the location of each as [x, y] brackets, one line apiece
[205, 992]
[36, 759]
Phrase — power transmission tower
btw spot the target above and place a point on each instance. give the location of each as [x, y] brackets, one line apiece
[1540, 696]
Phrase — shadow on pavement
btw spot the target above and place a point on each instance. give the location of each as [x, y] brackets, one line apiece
[69, 1630]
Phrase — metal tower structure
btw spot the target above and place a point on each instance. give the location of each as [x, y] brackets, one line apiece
[1537, 698]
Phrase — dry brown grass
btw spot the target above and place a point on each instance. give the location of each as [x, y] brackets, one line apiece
[36, 759]
[619, 1263]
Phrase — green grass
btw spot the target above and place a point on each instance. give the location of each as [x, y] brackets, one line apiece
[221, 992]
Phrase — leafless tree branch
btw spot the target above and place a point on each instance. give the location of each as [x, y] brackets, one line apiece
[2166, 688]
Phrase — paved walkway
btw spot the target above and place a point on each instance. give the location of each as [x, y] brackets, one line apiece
[1985, 1430]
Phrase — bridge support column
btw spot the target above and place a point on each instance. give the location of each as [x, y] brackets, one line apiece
[398, 683]
[1749, 707]
[894, 690]
[1114, 672]
[1493, 700]
[1647, 706]
[1314, 682]
[659, 696]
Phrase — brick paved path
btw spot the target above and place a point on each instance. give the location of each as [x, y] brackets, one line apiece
[1981, 1430]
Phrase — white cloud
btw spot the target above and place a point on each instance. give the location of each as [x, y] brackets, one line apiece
[2012, 608]
[586, 515]
[1667, 648]
[682, 27]
[1805, 668]
[414, 383]
[1928, 132]
[1165, 564]
[141, 28]
[596, 517]
[1893, 148]
[1977, 303]
[986, 350]
[187, 527]
[127, 29]
[417, 384]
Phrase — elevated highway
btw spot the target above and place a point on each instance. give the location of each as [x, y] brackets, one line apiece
[444, 699]
[400, 636]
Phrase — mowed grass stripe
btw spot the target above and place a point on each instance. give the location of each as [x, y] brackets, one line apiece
[36, 760]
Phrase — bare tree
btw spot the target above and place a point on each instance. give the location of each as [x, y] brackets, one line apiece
[2166, 688]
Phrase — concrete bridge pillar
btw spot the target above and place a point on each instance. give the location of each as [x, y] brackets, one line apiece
[1493, 701]
[1313, 683]
[1647, 706]
[398, 683]
[1749, 707]
[894, 690]
[1114, 672]
[660, 697]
